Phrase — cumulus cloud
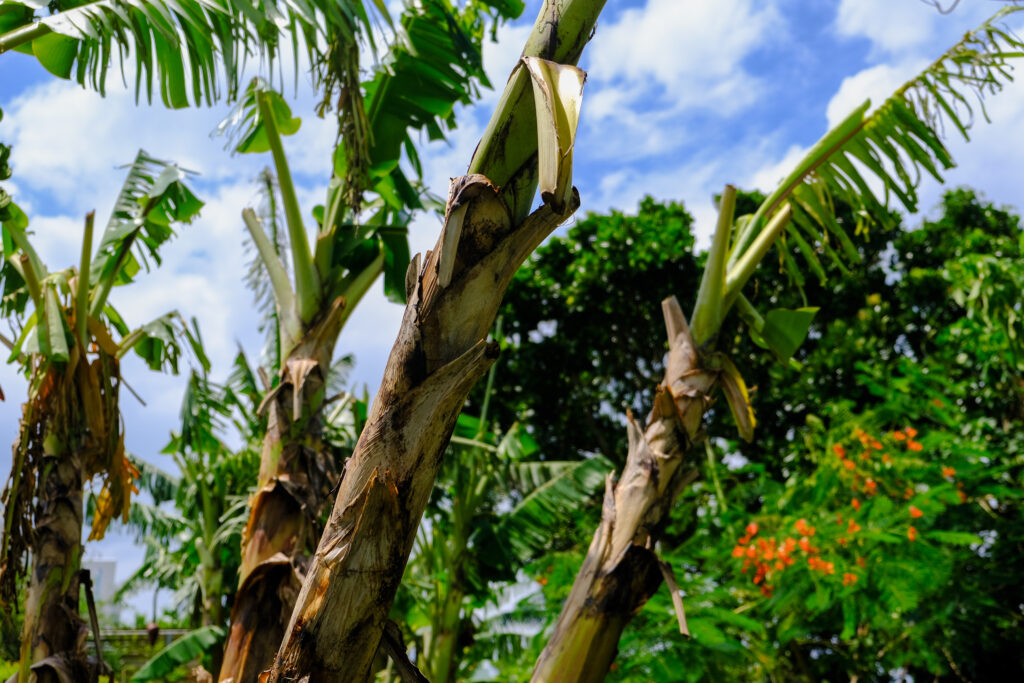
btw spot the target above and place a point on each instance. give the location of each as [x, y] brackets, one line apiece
[693, 50]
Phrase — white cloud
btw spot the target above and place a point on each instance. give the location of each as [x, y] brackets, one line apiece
[693, 50]
[877, 83]
[905, 26]
[890, 26]
[768, 177]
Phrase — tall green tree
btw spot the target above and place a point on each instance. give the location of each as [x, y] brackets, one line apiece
[70, 428]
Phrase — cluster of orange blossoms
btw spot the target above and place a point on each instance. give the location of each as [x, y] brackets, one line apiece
[769, 555]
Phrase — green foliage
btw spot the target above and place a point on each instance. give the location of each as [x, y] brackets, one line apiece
[890, 347]
[183, 650]
[495, 507]
[583, 314]
[185, 50]
[195, 550]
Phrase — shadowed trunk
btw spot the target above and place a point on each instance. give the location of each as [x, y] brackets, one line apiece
[69, 432]
[440, 353]
[297, 473]
[621, 570]
[53, 627]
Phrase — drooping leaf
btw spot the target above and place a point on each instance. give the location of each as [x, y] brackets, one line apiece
[895, 146]
[785, 330]
[182, 651]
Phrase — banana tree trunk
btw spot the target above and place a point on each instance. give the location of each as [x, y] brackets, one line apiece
[297, 473]
[70, 430]
[621, 570]
[441, 663]
[54, 633]
[441, 351]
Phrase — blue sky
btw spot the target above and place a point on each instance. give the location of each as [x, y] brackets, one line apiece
[682, 97]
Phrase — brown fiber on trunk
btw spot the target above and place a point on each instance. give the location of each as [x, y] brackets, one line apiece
[297, 473]
[440, 353]
[53, 627]
[70, 431]
[621, 570]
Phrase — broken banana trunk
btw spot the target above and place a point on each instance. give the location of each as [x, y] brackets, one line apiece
[441, 351]
[621, 570]
[297, 474]
[440, 354]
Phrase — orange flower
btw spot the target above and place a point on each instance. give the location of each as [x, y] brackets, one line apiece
[870, 487]
[751, 552]
[911, 432]
[856, 504]
[909, 493]
[839, 520]
[886, 458]
[861, 562]
[912, 533]
[842, 541]
[839, 450]
[805, 545]
[543, 580]
[963, 496]
[937, 403]
[849, 578]
[915, 512]
[948, 471]
[853, 528]
[738, 551]
[866, 455]
[803, 529]
[848, 464]
[877, 445]
[899, 436]
[780, 565]
[914, 445]
[752, 529]
[790, 544]
[766, 591]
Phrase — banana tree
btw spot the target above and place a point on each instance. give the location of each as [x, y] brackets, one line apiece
[70, 428]
[356, 240]
[495, 507]
[892, 146]
[194, 551]
[441, 351]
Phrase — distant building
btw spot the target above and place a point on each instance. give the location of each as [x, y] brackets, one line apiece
[104, 586]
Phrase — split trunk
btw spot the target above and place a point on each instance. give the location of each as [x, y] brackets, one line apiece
[621, 570]
[297, 473]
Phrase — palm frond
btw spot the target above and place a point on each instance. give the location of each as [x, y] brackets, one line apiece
[189, 51]
[185, 649]
[161, 485]
[257, 279]
[153, 197]
[892, 147]
[524, 532]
